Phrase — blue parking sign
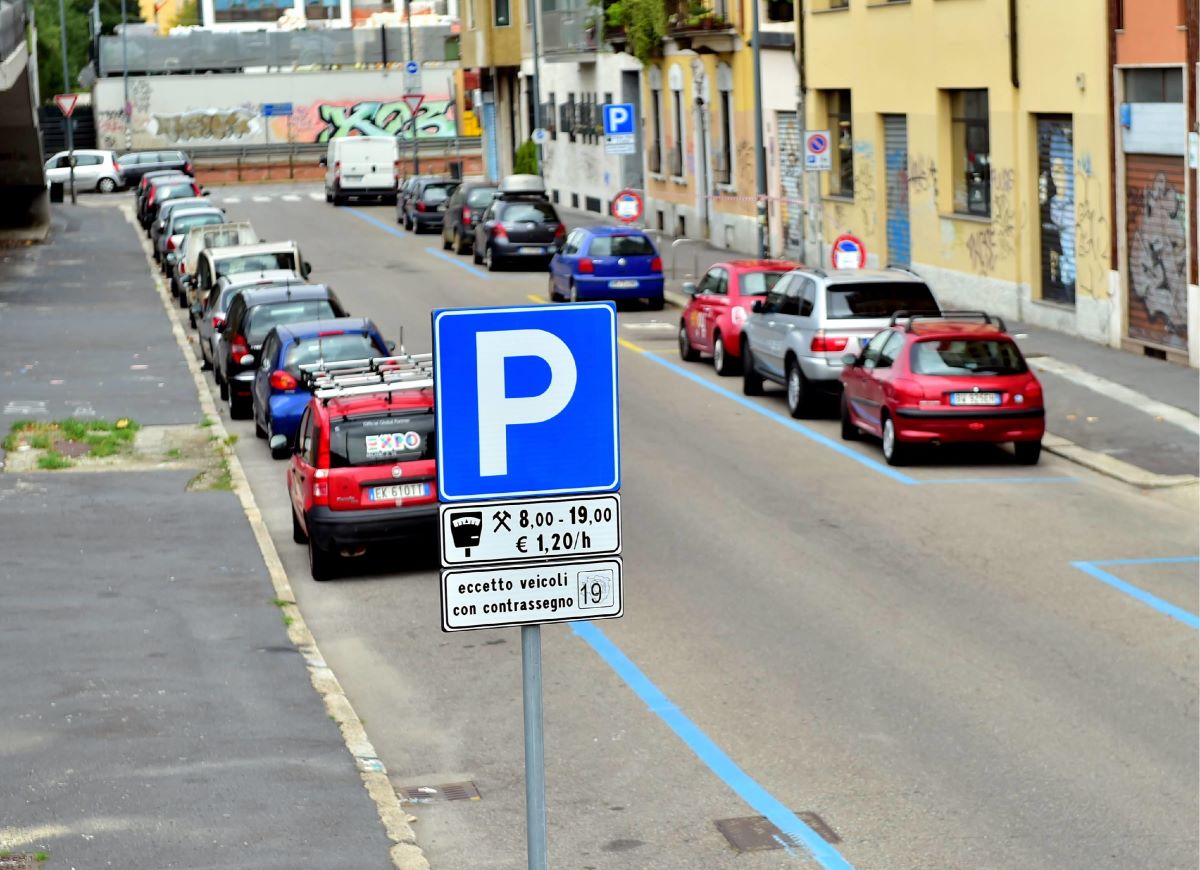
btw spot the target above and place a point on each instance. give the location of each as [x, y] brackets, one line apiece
[619, 119]
[526, 401]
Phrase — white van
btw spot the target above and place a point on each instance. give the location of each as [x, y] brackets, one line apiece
[362, 166]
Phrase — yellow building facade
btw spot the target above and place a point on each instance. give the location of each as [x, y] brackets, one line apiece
[970, 142]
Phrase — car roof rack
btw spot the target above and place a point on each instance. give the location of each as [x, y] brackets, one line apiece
[905, 269]
[948, 314]
[361, 377]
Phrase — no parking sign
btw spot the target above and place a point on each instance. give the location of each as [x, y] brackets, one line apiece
[849, 252]
[817, 152]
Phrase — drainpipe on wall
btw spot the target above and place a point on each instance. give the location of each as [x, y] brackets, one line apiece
[806, 201]
[1014, 75]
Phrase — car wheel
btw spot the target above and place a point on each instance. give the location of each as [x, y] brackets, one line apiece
[894, 450]
[338, 200]
[298, 534]
[328, 195]
[655, 303]
[687, 353]
[475, 255]
[724, 364]
[489, 260]
[1028, 452]
[260, 431]
[552, 293]
[238, 407]
[574, 292]
[222, 387]
[458, 245]
[752, 382]
[446, 243]
[106, 185]
[205, 362]
[320, 561]
[797, 390]
[849, 430]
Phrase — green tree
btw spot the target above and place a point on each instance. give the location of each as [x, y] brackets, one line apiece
[189, 14]
[645, 26]
[79, 39]
[525, 160]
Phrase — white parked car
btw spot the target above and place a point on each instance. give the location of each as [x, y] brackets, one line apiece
[362, 167]
[94, 170]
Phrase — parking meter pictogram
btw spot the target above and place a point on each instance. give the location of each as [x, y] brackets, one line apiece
[466, 527]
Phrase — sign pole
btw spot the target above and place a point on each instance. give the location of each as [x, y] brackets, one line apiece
[535, 762]
[62, 23]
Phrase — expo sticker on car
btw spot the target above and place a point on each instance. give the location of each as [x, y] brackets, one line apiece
[392, 442]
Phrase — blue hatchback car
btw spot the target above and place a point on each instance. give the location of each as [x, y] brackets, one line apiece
[279, 397]
[607, 263]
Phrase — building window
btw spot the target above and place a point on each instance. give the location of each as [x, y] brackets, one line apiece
[781, 10]
[725, 148]
[841, 129]
[1154, 85]
[500, 12]
[656, 145]
[677, 145]
[971, 152]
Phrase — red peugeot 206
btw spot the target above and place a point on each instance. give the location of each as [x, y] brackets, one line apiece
[712, 321]
[939, 380]
[363, 470]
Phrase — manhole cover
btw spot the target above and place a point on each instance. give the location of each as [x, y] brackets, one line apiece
[755, 833]
[424, 794]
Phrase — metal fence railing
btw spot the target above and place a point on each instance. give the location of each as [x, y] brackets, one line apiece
[12, 27]
[311, 151]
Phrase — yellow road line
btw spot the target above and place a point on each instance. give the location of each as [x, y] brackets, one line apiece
[537, 299]
[626, 343]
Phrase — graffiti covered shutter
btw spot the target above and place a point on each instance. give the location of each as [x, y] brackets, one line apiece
[1156, 228]
[899, 231]
[1056, 208]
[791, 175]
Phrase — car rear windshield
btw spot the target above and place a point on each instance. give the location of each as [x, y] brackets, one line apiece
[955, 357]
[264, 317]
[186, 222]
[379, 440]
[169, 191]
[878, 299]
[257, 263]
[530, 212]
[331, 348]
[481, 196]
[436, 193]
[759, 283]
[621, 246]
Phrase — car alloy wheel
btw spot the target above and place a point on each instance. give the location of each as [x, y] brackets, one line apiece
[489, 259]
[687, 353]
[893, 450]
[574, 292]
[320, 561]
[797, 397]
[106, 185]
[849, 430]
[722, 361]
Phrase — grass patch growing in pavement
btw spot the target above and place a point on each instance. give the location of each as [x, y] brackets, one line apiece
[53, 460]
[64, 438]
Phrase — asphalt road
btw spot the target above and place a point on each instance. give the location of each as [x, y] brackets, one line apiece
[912, 656]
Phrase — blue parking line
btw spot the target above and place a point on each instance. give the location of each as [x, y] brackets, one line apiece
[823, 440]
[455, 261]
[386, 227]
[1177, 613]
[758, 798]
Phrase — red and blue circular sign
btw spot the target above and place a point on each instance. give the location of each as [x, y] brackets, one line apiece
[818, 144]
[627, 206]
[849, 252]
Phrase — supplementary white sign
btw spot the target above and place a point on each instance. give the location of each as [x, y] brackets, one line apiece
[522, 531]
[512, 595]
[621, 143]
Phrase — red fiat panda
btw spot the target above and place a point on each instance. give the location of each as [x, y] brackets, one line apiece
[362, 472]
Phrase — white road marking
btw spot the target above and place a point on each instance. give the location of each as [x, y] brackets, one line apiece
[23, 408]
[1169, 413]
[290, 197]
[316, 197]
[652, 326]
[261, 198]
[232, 199]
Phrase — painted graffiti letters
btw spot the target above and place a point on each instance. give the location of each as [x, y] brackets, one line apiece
[375, 118]
[219, 124]
[922, 175]
[1157, 217]
[982, 247]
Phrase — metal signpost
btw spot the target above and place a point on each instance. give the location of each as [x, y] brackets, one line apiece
[528, 537]
[66, 105]
[620, 128]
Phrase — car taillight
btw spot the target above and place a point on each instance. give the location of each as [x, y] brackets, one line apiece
[908, 391]
[560, 232]
[182, 267]
[281, 380]
[420, 206]
[822, 343]
[217, 320]
[171, 243]
[656, 265]
[396, 171]
[239, 347]
[320, 487]
[150, 198]
[337, 171]
[187, 167]
[500, 232]
[737, 314]
[586, 265]
[466, 213]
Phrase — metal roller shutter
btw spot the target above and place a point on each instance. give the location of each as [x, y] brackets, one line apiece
[899, 228]
[1156, 230]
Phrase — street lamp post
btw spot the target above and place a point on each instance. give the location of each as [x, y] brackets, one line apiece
[62, 21]
[760, 166]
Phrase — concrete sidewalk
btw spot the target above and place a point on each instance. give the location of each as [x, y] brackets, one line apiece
[158, 714]
[1128, 416]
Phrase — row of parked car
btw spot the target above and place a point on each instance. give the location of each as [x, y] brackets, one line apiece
[106, 172]
[901, 368]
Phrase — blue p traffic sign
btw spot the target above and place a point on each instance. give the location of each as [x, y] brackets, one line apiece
[277, 110]
[619, 119]
[526, 401]
[412, 67]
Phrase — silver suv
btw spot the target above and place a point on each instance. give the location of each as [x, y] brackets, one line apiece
[798, 335]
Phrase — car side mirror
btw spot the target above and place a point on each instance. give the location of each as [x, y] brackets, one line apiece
[758, 307]
[849, 359]
[688, 288]
[324, 161]
[391, 346]
[246, 359]
[306, 268]
[278, 442]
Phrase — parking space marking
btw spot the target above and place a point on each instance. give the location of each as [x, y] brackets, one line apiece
[232, 199]
[261, 198]
[629, 345]
[1093, 569]
[755, 796]
[442, 255]
[387, 228]
[316, 197]
[290, 197]
[538, 299]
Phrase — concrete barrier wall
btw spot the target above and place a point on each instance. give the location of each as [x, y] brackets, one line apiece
[207, 110]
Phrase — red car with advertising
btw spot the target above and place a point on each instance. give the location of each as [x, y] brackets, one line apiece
[362, 472]
[932, 380]
[712, 321]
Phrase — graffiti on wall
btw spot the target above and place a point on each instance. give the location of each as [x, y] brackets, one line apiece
[1157, 216]
[335, 119]
[1092, 233]
[215, 124]
[996, 243]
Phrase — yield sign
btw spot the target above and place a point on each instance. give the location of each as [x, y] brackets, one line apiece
[413, 101]
[66, 103]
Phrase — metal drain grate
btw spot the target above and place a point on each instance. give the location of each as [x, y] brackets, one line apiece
[755, 833]
[424, 794]
[18, 862]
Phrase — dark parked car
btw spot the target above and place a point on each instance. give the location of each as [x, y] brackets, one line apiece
[135, 164]
[425, 205]
[518, 229]
[463, 211]
[251, 316]
[162, 189]
[406, 188]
